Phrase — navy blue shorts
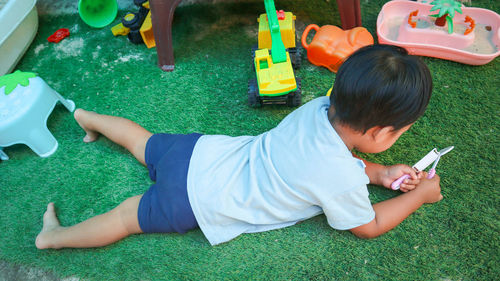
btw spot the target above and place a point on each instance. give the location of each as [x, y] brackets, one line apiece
[165, 206]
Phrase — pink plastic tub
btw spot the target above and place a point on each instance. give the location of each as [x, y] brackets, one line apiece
[476, 48]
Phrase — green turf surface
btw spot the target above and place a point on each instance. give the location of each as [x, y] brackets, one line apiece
[455, 239]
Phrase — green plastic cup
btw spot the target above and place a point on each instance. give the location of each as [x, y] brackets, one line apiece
[97, 13]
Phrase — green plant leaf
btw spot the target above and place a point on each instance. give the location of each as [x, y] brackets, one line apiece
[450, 24]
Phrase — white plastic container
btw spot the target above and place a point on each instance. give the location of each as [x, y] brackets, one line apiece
[24, 112]
[18, 27]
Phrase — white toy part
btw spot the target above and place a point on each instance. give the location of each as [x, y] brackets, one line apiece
[432, 156]
[419, 166]
[24, 113]
[18, 27]
[426, 161]
[3, 156]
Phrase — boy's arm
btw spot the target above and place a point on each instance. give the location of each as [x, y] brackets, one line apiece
[385, 175]
[390, 213]
[374, 171]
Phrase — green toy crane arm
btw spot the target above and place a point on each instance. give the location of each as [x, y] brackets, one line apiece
[278, 51]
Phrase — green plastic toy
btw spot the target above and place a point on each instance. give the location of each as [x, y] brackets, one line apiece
[447, 9]
[278, 51]
[10, 81]
[275, 81]
[97, 13]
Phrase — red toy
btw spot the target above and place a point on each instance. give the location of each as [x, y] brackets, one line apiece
[331, 45]
[59, 35]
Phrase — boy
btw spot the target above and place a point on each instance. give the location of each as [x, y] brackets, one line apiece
[303, 167]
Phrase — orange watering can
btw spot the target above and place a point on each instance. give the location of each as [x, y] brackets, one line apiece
[331, 45]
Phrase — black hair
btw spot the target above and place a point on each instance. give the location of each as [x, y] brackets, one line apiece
[380, 85]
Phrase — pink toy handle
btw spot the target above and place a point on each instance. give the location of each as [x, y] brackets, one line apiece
[431, 174]
[395, 184]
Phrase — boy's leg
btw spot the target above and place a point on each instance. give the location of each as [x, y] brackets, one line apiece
[97, 231]
[119, 130]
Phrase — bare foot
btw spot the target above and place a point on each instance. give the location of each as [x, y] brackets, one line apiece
[50, 225]
[82, 116]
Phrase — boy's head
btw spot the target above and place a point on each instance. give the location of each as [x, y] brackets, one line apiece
[380, 85]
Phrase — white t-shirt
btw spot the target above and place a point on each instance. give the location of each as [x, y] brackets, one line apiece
[291, 173]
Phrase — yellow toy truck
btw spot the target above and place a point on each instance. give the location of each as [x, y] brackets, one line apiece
[137, 26]
[275, 81]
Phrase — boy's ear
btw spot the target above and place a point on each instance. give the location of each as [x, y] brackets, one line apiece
[379, 133]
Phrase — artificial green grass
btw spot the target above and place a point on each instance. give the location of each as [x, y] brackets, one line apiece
[455, 239]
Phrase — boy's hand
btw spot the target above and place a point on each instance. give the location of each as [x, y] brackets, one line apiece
[394, 172]
[430, 189]
[391, 212]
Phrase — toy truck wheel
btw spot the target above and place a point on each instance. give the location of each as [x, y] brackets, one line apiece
[134, 21]
[130, 20]
[254, 99]
[254, 49]
[295, 98]
[135, 37]
[139, 3]
[296, 56]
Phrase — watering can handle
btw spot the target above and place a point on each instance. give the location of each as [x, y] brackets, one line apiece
[306, 32]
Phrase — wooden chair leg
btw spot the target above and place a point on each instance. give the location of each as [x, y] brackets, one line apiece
[350, 13]
[162, 15]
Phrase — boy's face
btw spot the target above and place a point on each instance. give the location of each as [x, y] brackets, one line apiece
[380, 139]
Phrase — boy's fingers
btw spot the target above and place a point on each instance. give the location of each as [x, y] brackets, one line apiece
[403, 189]
[411, 181]
[406, 187]
[410, 187]
[422, 175]
[409, 170]
[440, 197]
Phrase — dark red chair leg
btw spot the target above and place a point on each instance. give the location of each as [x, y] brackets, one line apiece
[350, 13]
[162, 15]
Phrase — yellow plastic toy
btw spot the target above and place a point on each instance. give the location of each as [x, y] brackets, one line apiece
[147, 32]
[119, 29]
[274, 79]
[137, 26]
[286, 22]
